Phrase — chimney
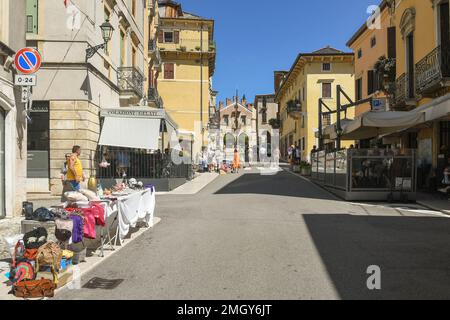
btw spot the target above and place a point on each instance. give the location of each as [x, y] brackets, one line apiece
[221, 105]
[228, 102]
[243, 101]
[278, 76]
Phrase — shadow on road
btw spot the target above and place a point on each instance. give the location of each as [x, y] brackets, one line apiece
[412, 252]
[281, 184]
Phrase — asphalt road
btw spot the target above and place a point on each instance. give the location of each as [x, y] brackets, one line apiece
[251, 236]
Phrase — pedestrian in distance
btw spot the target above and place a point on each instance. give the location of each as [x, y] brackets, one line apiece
[236, 163]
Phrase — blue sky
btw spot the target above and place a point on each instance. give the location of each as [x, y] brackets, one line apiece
[254, 38]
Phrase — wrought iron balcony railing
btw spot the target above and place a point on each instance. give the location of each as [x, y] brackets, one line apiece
[400, 90]
[294, 106]
[130, 80]
[152, 46]
[154, 98]
[432, 70]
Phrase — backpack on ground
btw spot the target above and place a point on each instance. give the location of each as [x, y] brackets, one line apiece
[50, 254]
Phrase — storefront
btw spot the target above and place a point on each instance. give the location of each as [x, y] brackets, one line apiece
[367, 174]
[137, 143]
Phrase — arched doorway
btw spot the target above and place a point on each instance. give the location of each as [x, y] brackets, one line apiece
[244, 147]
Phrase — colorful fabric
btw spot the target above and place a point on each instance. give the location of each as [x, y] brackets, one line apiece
[77, 232]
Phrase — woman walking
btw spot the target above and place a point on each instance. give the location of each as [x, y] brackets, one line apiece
[236, 163]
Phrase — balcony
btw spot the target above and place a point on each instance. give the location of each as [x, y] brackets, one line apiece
[154, 100]
[294, 108]
[130, 81]
[400, 91]
[433, 71]
[152, 46]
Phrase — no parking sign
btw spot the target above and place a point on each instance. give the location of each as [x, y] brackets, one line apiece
[28, 60]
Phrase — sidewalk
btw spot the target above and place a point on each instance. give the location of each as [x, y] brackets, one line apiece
[193, 186]
[79, 270]
[433, 202]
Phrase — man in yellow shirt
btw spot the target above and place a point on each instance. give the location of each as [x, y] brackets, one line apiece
[75, 169]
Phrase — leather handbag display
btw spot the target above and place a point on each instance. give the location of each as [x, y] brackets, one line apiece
[43, 288]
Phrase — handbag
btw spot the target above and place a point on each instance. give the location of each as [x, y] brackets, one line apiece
[35, 289]
[35, 238]
[64, 228]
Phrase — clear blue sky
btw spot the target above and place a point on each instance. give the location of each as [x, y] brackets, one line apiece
[256, 37]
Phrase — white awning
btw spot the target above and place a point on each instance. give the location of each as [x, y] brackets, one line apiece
[139, 133]
[436, 109]
[374, 124]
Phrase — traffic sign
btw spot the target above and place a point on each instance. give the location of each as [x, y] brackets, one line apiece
[28, 60]
[25, 80]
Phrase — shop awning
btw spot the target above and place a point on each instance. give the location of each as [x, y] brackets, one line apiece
[133, 127]
[374, 124]
[436, 109]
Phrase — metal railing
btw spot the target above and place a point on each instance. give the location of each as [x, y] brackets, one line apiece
[130, 79]
[189, 45]
[153, 96]
[431, 70]
[139, 164]
[294, 106]
[400, 90]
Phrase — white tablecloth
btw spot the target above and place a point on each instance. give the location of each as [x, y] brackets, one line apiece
[138, 206]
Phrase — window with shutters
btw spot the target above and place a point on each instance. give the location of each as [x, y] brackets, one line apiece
[168, 37]
[169, 72]
[326, 90]
[32, 16]
[373, 41]
[392, 49]
[370, 82]
[358, 89]
[359, 53]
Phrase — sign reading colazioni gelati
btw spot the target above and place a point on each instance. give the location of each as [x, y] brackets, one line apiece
[133, 113]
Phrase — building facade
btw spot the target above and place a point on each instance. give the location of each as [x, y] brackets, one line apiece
[188, 54]
[237, 129]
[13, 122]
[73, 87]
[266, 110]
[313, 76]
[420, 84]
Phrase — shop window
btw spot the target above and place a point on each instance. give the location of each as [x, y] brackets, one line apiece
[38, 141]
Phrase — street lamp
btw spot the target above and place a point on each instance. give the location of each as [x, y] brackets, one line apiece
[107, 31]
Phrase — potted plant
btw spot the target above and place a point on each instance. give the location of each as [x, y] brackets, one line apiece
[305, 168]
[275, 123]
[386, 68]
[198, 48]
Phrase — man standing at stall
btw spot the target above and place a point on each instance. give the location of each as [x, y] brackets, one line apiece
[75, 169]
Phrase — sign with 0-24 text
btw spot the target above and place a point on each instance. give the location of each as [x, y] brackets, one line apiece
[25, 80]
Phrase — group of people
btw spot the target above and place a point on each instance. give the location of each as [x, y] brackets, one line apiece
[210, 162]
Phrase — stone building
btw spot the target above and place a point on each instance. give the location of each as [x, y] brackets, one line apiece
[266, 110]
[13, 123]
[72, 87]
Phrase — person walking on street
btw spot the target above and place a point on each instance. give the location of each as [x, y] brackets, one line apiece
[75, 169]
[236, 163]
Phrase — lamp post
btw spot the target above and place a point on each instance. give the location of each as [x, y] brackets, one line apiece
[107, 31]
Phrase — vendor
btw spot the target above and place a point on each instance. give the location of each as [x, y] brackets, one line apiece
[75, 169]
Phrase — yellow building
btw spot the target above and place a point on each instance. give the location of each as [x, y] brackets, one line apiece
[188, 55]
[423, 81]
[313, 76]
[371, 45]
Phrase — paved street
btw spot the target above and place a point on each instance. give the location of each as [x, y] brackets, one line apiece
[250, 236]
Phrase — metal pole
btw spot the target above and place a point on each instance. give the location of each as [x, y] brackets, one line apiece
[338, 119]
[320, 126]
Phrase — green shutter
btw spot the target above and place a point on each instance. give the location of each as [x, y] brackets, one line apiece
[32, 16]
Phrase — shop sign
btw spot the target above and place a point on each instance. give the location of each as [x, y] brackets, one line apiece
[157, 114]
[379, 104]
